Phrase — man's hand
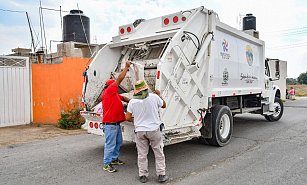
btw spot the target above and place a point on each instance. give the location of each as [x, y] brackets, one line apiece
[128, 63]
[129, 116]
[125, 99]
[122, 75]
[157, 92]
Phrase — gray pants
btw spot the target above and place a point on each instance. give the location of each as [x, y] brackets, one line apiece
[154, 138]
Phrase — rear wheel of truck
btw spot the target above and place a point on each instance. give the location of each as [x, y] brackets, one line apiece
[222, 125]
[278, 110]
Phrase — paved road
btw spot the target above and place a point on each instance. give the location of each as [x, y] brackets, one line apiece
[260, 152]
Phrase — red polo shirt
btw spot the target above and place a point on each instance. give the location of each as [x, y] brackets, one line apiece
[113, 109]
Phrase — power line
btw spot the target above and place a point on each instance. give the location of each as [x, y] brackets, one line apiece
[295, 33]
[29, 24]
[288, 30]
[290, 47]
[16, 11]
[302, 44]
[54, 9]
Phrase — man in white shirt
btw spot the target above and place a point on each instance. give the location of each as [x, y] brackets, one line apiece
[144, 107]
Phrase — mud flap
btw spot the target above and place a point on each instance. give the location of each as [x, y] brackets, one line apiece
[206, 130]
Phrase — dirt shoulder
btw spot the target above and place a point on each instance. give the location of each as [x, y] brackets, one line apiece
[28, 133]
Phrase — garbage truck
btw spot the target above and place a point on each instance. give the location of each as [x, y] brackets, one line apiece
[206, 71]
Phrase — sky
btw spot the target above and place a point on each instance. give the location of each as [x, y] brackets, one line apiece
[281, 24]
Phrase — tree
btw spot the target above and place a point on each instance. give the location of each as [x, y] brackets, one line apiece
[302, 79]
[291, 81]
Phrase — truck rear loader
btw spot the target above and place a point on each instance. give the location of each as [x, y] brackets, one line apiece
[207, 72]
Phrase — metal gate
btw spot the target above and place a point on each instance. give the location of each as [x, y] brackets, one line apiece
[15, 91]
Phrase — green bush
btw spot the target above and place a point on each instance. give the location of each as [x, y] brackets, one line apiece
[71, 119]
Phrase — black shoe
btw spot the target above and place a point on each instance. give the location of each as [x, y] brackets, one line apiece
[117, 162]
[143, 179]
[162, 178]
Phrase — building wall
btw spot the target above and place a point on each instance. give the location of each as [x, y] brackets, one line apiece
[56, 88]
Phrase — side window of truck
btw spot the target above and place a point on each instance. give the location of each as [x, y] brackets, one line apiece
[267, 68]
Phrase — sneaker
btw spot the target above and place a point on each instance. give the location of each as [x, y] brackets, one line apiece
[109, 168]
[117, 162]
[143, 179]
[162, 178]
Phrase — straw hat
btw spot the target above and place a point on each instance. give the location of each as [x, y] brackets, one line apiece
[139, 86]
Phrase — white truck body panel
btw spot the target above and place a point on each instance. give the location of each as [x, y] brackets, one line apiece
[193, 61]
[234, 71]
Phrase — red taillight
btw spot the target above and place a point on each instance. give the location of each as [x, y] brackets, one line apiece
[158, 75]
[96, 125]
[82, 104]
[122, 30]
[91, 124]
[166, 21]
[129, 29]
[183, 18]
[213, 95]
[175, 19]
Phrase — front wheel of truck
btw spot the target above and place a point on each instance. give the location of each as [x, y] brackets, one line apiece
[278, 110]
[222, 126]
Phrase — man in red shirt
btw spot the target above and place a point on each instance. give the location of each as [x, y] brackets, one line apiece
[113, 114]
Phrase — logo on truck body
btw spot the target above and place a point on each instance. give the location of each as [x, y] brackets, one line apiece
[249, 55]
[224, 54]
[225, 77]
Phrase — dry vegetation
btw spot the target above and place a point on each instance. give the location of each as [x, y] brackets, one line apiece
[301, 90]
[27, 133]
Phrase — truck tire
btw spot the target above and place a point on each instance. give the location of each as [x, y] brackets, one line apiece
[222, 125]
[278, 110]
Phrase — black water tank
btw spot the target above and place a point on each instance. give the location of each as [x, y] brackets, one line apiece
[73, 29]
[249, 22]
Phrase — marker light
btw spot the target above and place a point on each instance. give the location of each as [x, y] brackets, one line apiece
[129, 29]
[166, 21]
[175, 19]
[122, 30]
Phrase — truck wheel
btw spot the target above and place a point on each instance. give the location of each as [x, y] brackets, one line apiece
[222, 124]
[278, 111]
